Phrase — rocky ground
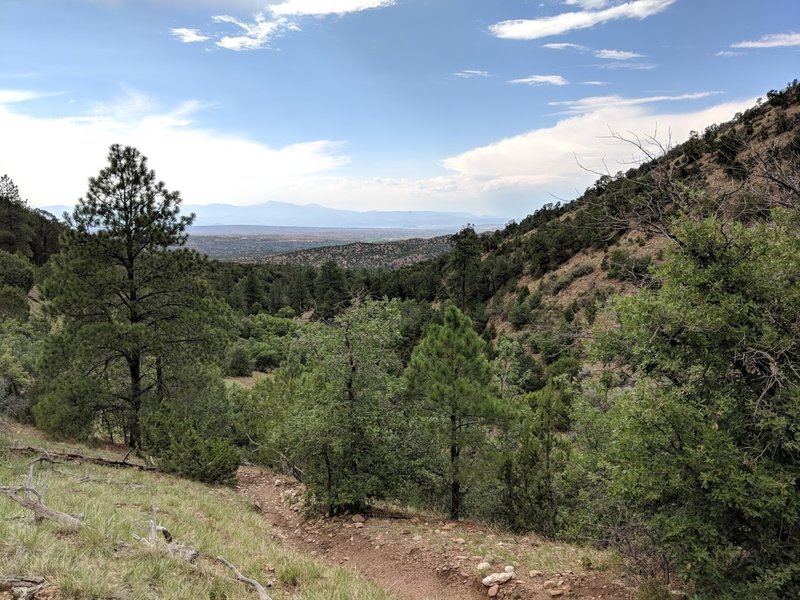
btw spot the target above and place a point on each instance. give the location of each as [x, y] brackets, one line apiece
[418, 557]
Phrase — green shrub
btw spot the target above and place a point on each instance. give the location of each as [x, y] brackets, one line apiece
[13, 304]
[15, 271]
[239, 364]
[192, 455]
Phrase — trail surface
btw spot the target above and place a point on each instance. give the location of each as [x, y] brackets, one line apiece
[427, 559]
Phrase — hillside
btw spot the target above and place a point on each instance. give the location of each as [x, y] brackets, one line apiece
[561, 263]
[364, 255]
[257, 526]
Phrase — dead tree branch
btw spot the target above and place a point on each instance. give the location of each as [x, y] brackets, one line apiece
[22, 588]
[176, 549]
[30, 498]
[71, 456]
[262, 593]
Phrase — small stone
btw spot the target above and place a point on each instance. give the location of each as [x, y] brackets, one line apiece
[494, 578]
[416, 538]
[556, 593]
[484, 566]
[509, 569]
[359, 525]
[357, 519]
[448, 527]
[549, 584]
[535, 573]
[460, 541]
[493, 590]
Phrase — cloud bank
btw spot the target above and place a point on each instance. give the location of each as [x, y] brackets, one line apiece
[512, 176]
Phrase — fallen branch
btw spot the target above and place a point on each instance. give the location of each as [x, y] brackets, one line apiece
[71, 456]
[22, 588]
[262, 593]
[181, 551]
[31, 498]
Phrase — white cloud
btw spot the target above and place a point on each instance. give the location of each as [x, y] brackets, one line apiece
[188, 36]
[588, 4]
[530, 29]
[630, 66]
[543, 161]
[470, 73]
[259, 33]
[566, 46]
[773, 40]
[325, 7]
[594, 82]
[256, 34]
[512, 176]
[728, 53]
[541, 80]
[617, 54]
[594, 103]
[206, 166]
[12, 96]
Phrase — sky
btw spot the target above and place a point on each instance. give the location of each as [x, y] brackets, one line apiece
[488, 106]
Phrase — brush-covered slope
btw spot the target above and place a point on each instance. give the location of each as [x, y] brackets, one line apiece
[552, 270]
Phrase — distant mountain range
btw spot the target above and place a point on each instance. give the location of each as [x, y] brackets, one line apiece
[285, 214]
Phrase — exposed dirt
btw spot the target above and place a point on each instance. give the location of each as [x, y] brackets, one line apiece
[420, 558]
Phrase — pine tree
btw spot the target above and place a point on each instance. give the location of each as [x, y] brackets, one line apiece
[131, 303]
[450, 376]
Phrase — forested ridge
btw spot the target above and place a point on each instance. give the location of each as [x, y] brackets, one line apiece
[619, 370]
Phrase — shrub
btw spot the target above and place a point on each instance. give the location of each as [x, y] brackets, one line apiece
[15, 271]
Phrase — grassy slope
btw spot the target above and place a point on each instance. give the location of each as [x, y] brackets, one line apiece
[103, 561]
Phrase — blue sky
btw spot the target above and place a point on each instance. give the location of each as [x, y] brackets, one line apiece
[486, 106]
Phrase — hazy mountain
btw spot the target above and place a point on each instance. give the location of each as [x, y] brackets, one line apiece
[285, 214]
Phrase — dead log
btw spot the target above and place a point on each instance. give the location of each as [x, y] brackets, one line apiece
[72, 456]
[262, 593]
[22, 588]
[30, 498]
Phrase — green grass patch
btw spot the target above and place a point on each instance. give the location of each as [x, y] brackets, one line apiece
[103, 560]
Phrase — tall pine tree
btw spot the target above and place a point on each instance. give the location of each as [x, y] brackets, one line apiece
[132, 305]
[451, 378]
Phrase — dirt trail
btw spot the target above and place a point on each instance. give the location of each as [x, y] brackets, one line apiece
[417, 559]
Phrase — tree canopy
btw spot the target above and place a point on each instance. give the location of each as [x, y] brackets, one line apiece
[133, 304]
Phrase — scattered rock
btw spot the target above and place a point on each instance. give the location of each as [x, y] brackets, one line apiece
[460, 541]
[494, 578]
[549, 584]
[509, 569]
[448, 527]
[359, 525]
[535, 573]
[484, 566]
[416, 538]
[357, 519]
[556, 593]
[493, 590]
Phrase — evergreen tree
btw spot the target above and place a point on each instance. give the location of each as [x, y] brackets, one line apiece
[346, 429]
[463, 283]
[451, 378]
[15, 229]
[704, 453]
[131, 303]
[330, 290]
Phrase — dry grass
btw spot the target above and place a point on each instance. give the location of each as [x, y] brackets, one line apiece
[102, 560]
[250, 381]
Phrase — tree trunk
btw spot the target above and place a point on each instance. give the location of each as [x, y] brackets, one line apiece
[455, 475]
[135, 369]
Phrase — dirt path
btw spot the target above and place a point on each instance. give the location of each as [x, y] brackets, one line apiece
[431, 560]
